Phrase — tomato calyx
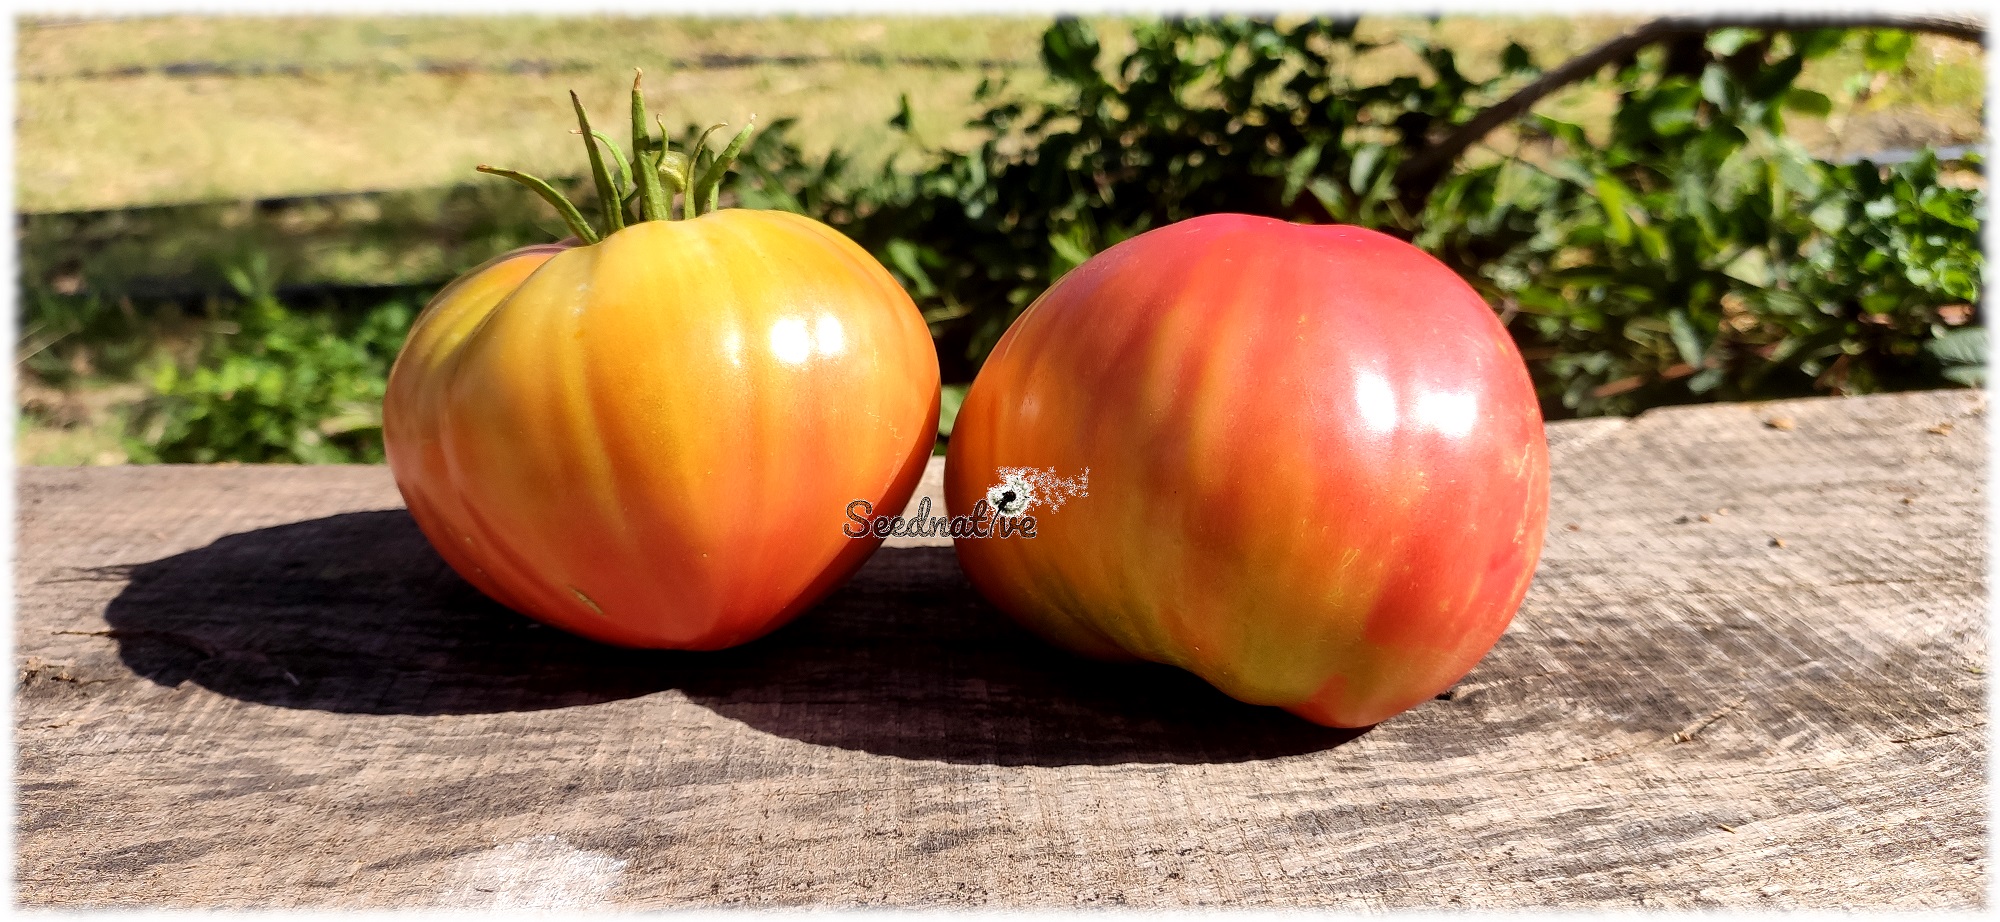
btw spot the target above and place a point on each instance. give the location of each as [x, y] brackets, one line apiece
[647, 182]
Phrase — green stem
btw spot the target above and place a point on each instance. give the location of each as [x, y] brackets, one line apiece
[701, 143]
[661, 172]
[708, 189]
[654, 202]
[621, 177]
[614, 217]
[652, 199]
[699, 157]
[563, 206]
[641, 141]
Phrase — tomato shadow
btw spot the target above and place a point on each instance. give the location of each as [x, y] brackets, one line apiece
[356, 614]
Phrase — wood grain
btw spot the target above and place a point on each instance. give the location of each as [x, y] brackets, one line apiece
[258, 687]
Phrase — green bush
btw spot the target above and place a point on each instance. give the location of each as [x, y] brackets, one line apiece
[1701, 255]
[1697, 254]
[273, 384]
[1202, 116]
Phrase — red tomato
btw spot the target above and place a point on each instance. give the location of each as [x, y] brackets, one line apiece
[1317, 475]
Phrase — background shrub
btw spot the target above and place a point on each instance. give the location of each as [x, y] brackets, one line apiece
[1696, 253]
[274, 384]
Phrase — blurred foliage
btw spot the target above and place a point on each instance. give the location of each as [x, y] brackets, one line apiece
[1698, 254]
[273, 384]
[67, 340]
[1692, 252]
[1202, 116]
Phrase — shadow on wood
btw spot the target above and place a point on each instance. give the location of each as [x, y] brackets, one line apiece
[355, 613]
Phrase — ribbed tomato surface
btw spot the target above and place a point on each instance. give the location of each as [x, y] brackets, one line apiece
[1316, 468]
[652, 440]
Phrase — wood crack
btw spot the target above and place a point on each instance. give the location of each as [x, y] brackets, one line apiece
[1938, 734]
[1688, 732]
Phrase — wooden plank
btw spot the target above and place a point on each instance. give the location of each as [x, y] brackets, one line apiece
[258, 687]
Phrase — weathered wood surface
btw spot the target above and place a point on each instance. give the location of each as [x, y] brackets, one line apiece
[259, 687]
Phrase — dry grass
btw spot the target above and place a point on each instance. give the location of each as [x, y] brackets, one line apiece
[319, 105]
[78, 426]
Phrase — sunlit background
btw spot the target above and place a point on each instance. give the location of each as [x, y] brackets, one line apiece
[226, 223]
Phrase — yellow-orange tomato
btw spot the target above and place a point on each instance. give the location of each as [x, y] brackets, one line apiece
[652, 440]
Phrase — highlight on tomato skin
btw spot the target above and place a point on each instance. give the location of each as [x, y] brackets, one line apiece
[1317, 470]
[647, 434]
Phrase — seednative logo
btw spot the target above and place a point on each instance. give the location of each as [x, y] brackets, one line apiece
[1002, 513]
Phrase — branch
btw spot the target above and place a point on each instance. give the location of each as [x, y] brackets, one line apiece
[1420, 174]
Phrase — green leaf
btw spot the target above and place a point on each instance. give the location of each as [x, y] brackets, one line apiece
[1366, 158]
[1830, 216]
[1686, 338]
[1613, 197]
[1968, 375]
[1887, 49]
[352, 417]
[907, 259]
[1737, 177]
[1674, 118]
[1815, 43]
[1653, 242]
[1752, 267]
[1298, 170]
[1808, 102]
[1729, 41]
[1520, 185]
[1960, 347]
[1939, 203]
[1329, 197]
[1069, 51]
[950, 398]
[1572, 171]
[1798, 171]
[1070, 250]
[1717, 86]
[1781, 302]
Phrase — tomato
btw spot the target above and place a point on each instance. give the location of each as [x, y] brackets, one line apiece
[1308, 465]
[651, 439]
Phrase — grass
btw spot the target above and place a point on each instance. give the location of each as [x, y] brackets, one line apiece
[80, 425]
[258, 108]
[115, 113]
